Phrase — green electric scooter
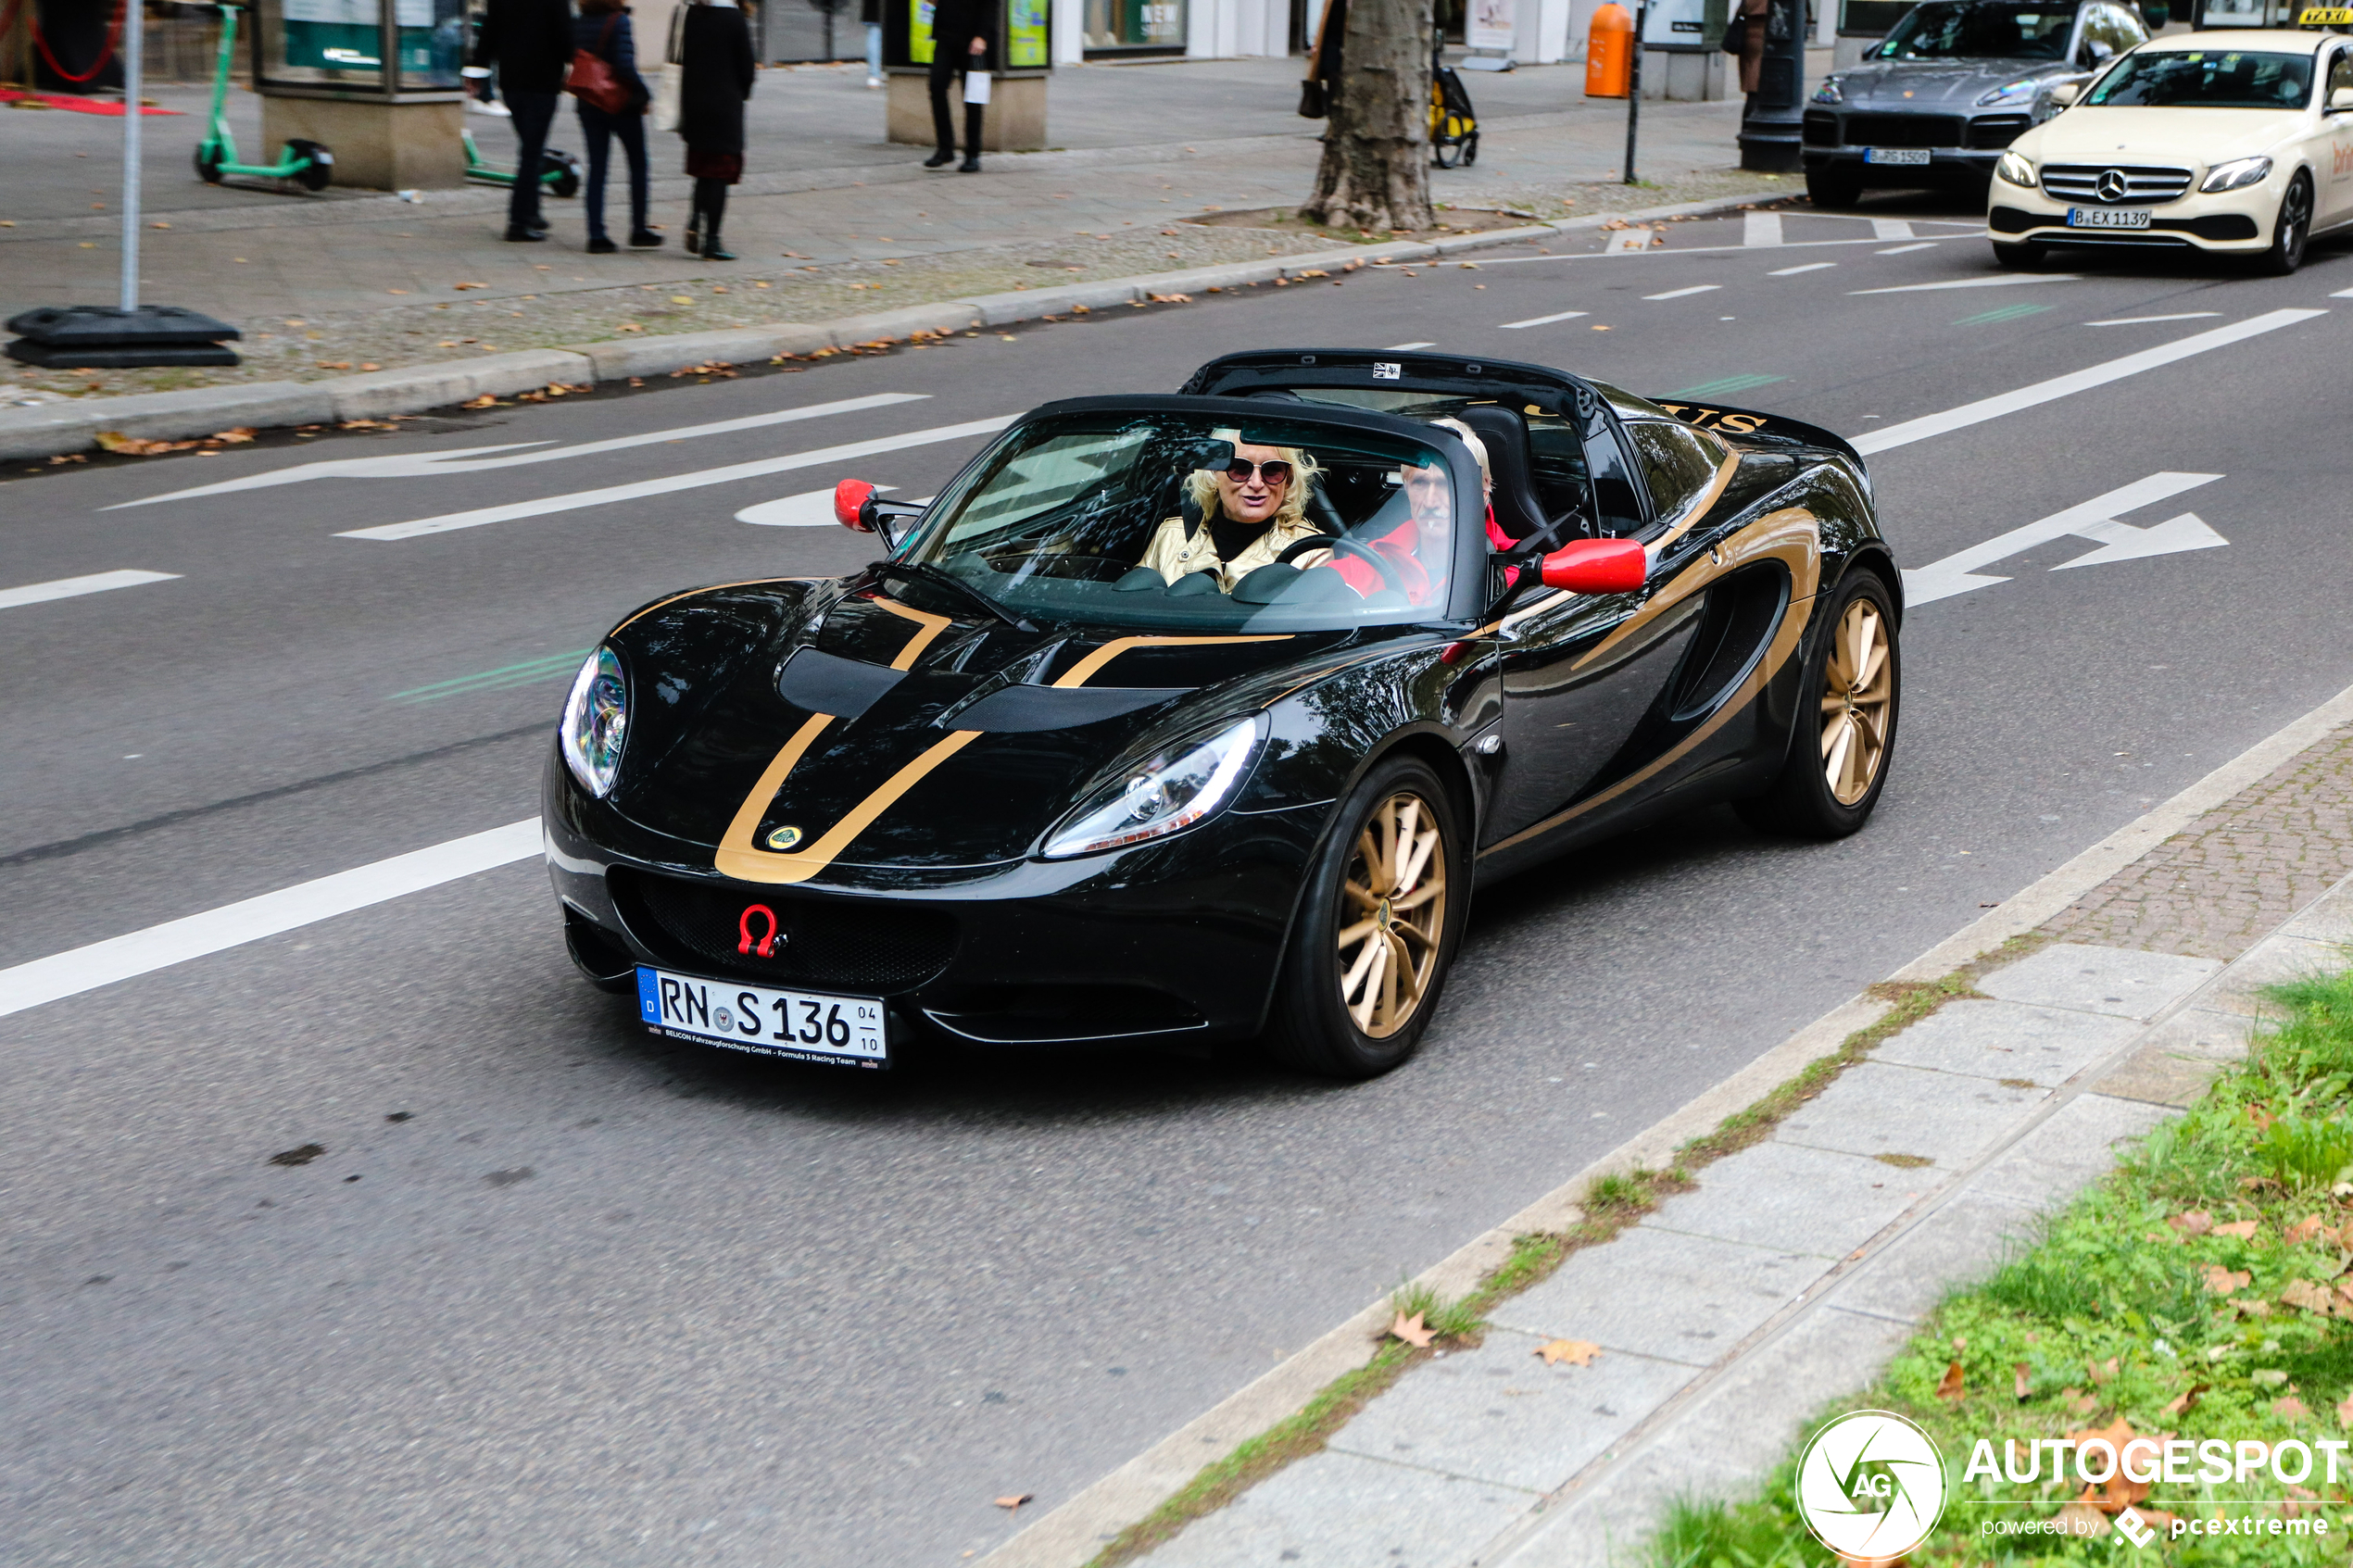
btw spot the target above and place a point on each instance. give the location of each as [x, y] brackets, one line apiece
[559, 171]
[307, 164]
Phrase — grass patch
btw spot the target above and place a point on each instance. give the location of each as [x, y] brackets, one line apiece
[2111, 1312]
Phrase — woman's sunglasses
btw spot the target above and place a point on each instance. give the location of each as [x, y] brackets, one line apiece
[1276, 472]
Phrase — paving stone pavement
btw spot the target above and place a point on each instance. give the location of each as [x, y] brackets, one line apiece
[1737, 1313]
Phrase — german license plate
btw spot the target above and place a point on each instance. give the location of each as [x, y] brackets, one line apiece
[1895, 154]
[805, 1026]
[2107, 218]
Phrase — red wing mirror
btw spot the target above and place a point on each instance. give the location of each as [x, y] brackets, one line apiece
[1597, 565]
[850, 505]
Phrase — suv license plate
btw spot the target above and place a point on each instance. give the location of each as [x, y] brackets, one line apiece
[1895, 155]
[2107, 218]
[805, 1026]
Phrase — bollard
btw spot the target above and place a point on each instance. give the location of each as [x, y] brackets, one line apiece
[1609, 53]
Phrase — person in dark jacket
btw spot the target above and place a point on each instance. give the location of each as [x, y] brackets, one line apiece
[530, 43]
[603, 29]
[961, 42]
[715, 55]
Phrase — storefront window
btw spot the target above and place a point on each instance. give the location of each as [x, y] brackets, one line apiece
[1135, 24]
[341, 43]
[433, 41]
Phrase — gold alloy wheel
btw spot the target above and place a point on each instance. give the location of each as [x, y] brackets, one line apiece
[1858, 688]
[1396, 884]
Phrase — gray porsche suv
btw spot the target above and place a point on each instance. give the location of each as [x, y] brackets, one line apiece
[1938, 98]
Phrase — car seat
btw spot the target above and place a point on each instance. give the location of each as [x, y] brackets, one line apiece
[1518, 511]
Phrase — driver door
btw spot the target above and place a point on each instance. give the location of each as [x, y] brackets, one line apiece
[2333, 146]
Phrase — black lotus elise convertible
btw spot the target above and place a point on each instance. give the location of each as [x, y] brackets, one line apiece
[1079, 760]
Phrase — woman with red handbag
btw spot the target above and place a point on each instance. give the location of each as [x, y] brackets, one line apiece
[612, 98]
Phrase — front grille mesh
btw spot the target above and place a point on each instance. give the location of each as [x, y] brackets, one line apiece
[2080, 181]
[1903, 131]
[1988, 132]
[875, 946]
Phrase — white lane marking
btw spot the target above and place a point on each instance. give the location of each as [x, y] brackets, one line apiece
[73, 587]
[1400, 347]
[1906, 250]
[1485, 261]
[1891, 228]
[1793, 271]
[1761, 229]
[1542, 321]
[2136, 321]
[814, 509]
[474, 460]
[1680, 293]
[2001, 281]
[2096, 519]
[644, 487]
[2076, 380]
[2342, 293]
[250, 920]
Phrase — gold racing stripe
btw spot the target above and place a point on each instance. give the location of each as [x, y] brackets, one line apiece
[1771, 534]
[737, 856]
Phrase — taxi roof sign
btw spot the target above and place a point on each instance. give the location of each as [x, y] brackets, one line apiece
[2326, 16]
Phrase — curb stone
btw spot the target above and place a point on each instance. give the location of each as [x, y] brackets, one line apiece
[56, 429]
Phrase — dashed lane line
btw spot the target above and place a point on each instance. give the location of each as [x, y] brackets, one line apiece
[474, 460]
[1541, 321]
[2076, 380]
[2137, 320]
[1681, 294]
[610, 494]
[1793, 271]
[1400, 347]
[73, 587]
[249, 919]
[1993, 282]
[1906, 250]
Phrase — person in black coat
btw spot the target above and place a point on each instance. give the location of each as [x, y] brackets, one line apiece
[715, 55]
[603, 29]
[530, 43]
[963, 39]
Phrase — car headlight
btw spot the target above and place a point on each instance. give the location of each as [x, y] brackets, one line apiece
[1172, 792]
[595, 722]
[2009, 91]
[1830, 92]
[2016, 169]
[2236, 174]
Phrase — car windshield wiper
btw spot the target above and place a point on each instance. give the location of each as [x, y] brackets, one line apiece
[924, 571]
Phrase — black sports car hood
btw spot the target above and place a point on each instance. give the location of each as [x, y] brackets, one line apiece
[787, 730]
[1939, 87]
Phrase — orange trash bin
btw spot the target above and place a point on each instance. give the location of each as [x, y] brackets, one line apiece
[1609, 53]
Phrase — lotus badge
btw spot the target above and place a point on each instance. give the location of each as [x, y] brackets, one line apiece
[784, 837]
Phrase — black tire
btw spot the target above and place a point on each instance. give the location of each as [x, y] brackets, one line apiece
[2019, 256]
[1470, 150]
[1445, 154]
[1829, 185]
[1311, 1026]
[318, 164]
[567, 181]
[2291, 230]
[207, 161]
[1801, 801]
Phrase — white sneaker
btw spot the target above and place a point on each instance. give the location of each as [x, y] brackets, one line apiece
[873, 81]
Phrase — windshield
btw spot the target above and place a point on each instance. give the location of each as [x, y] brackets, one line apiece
[1964, 30]
[2206, 79]
[1185, 522]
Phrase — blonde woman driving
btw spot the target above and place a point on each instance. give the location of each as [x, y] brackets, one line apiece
[1251, 510]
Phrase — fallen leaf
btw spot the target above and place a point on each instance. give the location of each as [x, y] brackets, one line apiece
[2251, 1306]
[2192, 1221]
[463, 287]
[1576, 1352]
[2311, 1297]
[1013, 1504]
[681, 299]
[1954, 1385]
[2304, 1229]
[369, 365]
[2119, 1491]
[2223, 1281]
[2102, 1372]
[2240, 1228]
[485, 401]
[1412, 1332]
[2291, 1408]
[2018, 1373]
[2261, 1118]
[237, 437]
[2186, 1402]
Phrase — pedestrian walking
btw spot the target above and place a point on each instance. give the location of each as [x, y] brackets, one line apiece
[1752, 21]
[602, 31]
[961, 43]
[715, 64]
[530, 43]
[870, 12]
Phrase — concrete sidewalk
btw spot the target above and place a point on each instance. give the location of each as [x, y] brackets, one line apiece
[1796, 1268]
[830, 219]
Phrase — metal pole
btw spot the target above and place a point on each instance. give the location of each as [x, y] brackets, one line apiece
[1634, 87]
[134, 30]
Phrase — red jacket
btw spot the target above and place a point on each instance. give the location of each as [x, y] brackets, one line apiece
[1396, 547]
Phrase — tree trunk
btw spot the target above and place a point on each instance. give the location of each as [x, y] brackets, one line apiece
[1375, 169]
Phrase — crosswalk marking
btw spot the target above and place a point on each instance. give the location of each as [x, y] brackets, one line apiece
[1542, 321]
[1761, 229]
[609, 494]
[73, 587]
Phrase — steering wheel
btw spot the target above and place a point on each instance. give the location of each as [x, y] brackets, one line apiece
[1334, 542]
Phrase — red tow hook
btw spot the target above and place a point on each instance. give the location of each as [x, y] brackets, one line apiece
[767, 946]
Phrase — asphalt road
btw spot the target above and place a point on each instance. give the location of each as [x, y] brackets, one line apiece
[593, 1297]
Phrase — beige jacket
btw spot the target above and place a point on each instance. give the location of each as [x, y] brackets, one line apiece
[1172, 555]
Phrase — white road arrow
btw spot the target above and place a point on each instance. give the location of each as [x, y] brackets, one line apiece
[2094, 519]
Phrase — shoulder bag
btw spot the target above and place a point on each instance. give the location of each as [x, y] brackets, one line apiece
[670, 86]
[592, 79]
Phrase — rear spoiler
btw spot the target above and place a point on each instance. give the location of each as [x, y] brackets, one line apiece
[1754, 425]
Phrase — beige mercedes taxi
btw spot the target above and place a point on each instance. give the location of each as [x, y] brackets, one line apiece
[2238, 141]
